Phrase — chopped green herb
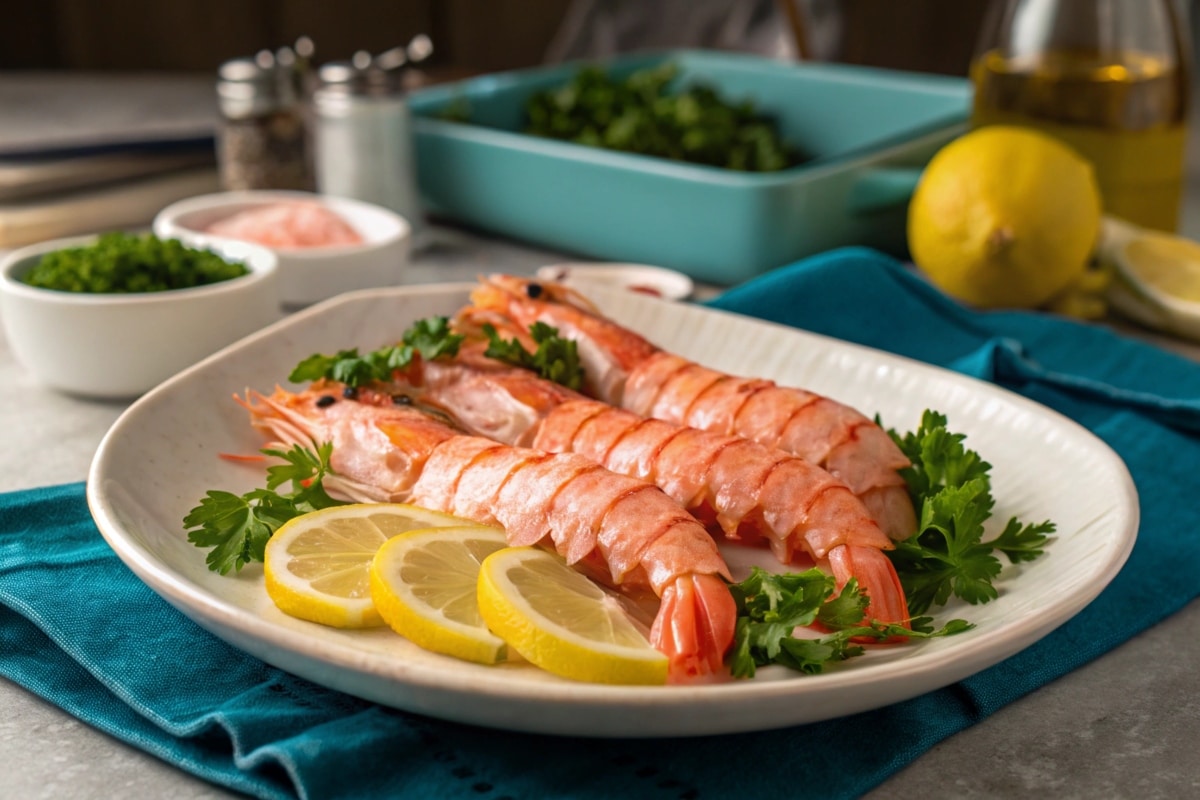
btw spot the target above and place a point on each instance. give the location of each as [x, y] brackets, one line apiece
[951, 488]
[237, 528]
[457, 110]
[120, 263]
[640, 114]
[556, 359]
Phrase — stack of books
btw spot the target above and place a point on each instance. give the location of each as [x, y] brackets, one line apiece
[85, 153]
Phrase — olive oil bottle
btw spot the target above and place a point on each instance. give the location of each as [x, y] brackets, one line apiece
[1108, 77]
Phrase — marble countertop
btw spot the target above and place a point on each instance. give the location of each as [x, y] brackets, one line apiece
[1125, 725]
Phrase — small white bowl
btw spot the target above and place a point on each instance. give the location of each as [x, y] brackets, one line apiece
[120, 345]
[306, 274]
[658, 281]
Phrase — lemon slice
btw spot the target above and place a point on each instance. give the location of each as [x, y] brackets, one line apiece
[316, 565]
[423, 584]
[562, 622]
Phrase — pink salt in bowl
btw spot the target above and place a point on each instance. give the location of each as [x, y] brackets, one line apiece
[308, 272]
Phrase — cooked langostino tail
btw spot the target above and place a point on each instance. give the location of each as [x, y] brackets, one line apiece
[750, 492]
[620, 526]
[626, 370]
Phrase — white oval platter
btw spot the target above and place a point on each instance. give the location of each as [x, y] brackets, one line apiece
[162, 455]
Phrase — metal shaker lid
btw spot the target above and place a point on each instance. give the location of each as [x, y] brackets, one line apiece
[360, 78]
[377, 76]
[249, 87]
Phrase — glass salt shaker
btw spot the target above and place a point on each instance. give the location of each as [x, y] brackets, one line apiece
[262, 140]
[363, 146]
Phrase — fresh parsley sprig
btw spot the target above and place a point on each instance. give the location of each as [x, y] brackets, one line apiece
[556, 359]
[237, 528]
[771, 607]
[951, 487]
[348, 367]
[430, 337]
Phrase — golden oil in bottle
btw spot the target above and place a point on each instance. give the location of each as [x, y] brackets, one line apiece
[1124, 112]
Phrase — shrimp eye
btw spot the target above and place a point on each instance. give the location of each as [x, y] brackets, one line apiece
[349, 393]
[326, 400]
[534, 290]
[402, 400]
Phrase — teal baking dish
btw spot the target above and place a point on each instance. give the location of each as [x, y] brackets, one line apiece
[865, 130]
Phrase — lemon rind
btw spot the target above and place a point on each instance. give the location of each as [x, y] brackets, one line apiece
[350, 614]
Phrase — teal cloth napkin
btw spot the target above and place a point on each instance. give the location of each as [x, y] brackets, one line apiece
[77, 628]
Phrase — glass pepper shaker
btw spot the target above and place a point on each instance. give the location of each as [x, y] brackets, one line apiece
[262, 140]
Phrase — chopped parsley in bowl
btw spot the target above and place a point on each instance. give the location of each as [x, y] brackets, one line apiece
[111, 320]
[121, 263]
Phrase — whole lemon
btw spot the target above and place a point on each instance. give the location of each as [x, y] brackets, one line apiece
[1004, 217]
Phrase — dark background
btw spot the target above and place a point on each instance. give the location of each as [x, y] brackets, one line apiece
[469, 35]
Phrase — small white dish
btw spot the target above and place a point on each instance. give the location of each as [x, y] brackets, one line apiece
[654, 281]
[120, 345]
[306, 274]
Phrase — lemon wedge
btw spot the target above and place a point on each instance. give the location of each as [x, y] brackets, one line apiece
[423, 584]
[562, 622]
[1157, 277]
[317, 565]
[1168, 263]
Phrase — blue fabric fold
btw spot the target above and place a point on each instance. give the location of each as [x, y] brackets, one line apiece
[79, 629]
